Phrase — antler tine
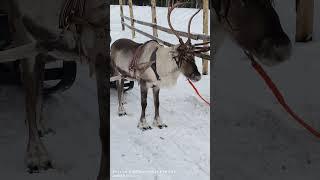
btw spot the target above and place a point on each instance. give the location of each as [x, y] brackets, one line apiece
[170, 9]
[189, 26]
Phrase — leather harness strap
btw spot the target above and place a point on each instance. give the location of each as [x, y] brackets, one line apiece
[137, 55]
[154, 64]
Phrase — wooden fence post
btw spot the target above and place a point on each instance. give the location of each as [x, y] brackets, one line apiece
[132, 21]
[304, 21]
[121, 14]
[205, 62]
[154, 17]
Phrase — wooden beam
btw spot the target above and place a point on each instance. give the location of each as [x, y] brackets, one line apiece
[121, 13]
[167, 30]
[131, 15]
[205, 62]
[154, 17]
[304, 21]
[204, 56]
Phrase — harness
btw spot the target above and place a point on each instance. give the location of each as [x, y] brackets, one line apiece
[133, 66]
[71, 9]
[154, 64]
[72, 13]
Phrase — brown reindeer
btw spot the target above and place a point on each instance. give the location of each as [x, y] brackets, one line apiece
[255, 26]
[154, 66]
[59, 29]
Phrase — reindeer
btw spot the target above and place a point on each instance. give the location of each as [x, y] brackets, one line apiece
[154, 66]
[46, 30]
[255, 26]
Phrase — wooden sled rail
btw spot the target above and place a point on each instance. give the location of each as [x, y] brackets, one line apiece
[17, 53]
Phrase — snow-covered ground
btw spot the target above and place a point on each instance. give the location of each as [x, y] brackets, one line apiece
[253, 137]
[183, 147]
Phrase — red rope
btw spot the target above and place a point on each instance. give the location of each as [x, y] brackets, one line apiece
[196, 90]
[281, 99]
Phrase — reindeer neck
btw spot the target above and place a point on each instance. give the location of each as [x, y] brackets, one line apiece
[165, 61]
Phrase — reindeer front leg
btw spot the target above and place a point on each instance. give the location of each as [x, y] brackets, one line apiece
[103, 90]
[157, 121]
[143, 125]
[37, 156]
[120, 85]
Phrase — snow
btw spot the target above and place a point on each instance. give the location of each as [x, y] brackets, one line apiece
[253, 137]
[182, 149]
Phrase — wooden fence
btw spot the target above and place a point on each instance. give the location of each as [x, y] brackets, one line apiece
[305, 20]
[155, 27]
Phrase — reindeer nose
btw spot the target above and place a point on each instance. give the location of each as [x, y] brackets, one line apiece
[276, 49]
[196, 77]
[282, 48]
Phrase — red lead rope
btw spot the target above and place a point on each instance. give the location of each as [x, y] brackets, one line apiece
[280, 98]
[196, 90]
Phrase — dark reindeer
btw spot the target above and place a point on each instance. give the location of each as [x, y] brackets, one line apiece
[154, 66]
[255, 26]
[44, 30]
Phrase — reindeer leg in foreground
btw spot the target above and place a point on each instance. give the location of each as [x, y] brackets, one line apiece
[103, 88]
[143, 125]
[120, 85]
[157, 121]
[37, 156]
[43, 128]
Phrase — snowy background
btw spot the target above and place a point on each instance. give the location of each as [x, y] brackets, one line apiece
[253, 137]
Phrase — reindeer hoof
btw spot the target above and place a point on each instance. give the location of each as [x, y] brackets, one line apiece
[37, 159]
[32, 168]
[122, 113]
[158, 123]
[161, 126]
[144, 126]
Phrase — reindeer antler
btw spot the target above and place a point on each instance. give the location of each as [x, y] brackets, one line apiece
[170, 9]
[189, 26]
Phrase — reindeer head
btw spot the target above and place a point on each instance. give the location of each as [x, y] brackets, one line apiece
[255, 26]
[184, 53]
